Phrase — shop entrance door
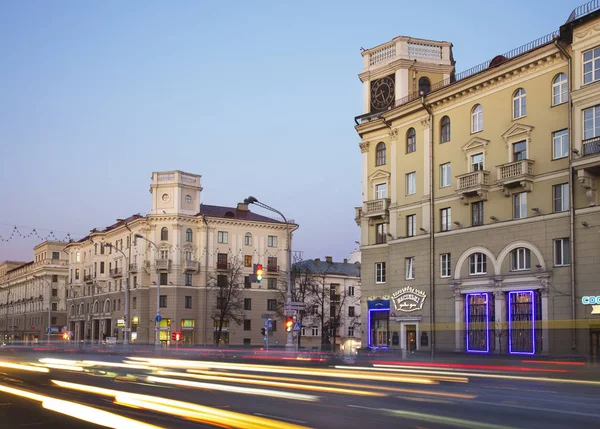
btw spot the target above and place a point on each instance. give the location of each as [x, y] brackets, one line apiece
[411, 338]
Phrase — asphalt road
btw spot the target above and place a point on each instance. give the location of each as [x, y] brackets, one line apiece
[173, 393]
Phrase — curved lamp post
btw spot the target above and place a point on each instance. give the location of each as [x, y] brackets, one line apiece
[157, 329]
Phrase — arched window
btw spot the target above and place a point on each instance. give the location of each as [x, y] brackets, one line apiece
[445, 129]
[248, 239]
[380, 154]
[411, 140]
[81, 308]
[95, 307]
[72, 311]
[424, 85]
[477, 118]
[164, 234]
[107, 306]
[520, 259]
[188, 234]
[519, 103]
[559, 89]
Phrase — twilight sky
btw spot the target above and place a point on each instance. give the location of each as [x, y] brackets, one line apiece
[256, 96]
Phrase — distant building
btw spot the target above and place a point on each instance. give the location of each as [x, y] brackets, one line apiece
[33, 295]
[332, 293]
[187, 245]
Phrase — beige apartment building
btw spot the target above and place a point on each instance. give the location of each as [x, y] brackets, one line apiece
[33, 296]
[169, 256]
[480, 219]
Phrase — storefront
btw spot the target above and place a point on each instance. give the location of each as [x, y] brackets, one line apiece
[187, 329]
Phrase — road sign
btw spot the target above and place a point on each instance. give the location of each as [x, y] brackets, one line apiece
[295, 305]
[266, 316]
[296, 327]
[158, 319]
[126, 330]
[270, 324]
[49, 330]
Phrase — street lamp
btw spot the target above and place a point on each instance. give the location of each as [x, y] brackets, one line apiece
[127, 326]
[157, 329]
[49, 305]
[288, 295]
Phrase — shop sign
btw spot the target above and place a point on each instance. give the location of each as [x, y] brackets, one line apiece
[594, 301]
[409, 299]
[120, 323]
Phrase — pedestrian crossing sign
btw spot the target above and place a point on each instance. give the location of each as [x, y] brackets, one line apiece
[296, 327]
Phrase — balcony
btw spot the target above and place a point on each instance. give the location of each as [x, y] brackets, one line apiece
[116, 272]
[133, 268]
[513, 174]
[375, 209]
[163, 264]
[88, 278]
[591, 146]
[272, 268]
[191, 266]
[222, 266]
[474, 183]
[587, 165]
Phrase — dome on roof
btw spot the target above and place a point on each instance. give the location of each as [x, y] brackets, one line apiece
[229, 214]
[497, 60]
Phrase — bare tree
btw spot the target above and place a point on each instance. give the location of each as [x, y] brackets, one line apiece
[228, 287]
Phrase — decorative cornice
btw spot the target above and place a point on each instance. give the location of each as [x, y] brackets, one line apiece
[584, 33]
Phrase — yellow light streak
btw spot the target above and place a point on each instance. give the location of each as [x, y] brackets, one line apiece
[78, 411]
[284, 385]
[116, 364]
[23, 367]
[59, 361]
[176, 408]
[63, 367]
[234, 389]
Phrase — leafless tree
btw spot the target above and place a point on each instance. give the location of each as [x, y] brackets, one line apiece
[228, 288]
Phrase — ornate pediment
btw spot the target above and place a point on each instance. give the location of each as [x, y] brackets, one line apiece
[475, 143]
[379, 175]
[517, 130]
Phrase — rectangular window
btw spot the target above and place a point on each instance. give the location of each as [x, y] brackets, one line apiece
[247, 325]
[248, 261]
[380, 230]
[272, 241]
[411, 183]
[54, 306]
[221, 261]
[351, 331]
[520, 151]
[315, 332]
[221, 281]
[248, 304]
[380, 272]
[76, 273]
[53, 320]
[77, 257]
[188, 255]
[520, 205]
[271, 283]
[477, 264]
[164, 279]
[55, 256]
[163, 301]
[134, 282]
[446, 219]
[445, 270]
[350, 290]
[247, 283]
[101, 267]
[477, 213]
[477, 162]
[381, 191]
[591, 122]
[351, 311]
[274, 326]
[101, 249]
[411, 225]
[222, 237]
[188, 279]
[445, 175]
[560, 144]
[272, 264]
[409, 264]
[134, 303]
[562, 252]
[54, 292]
[220, 303]
[561, 197]
[591, 65]
[521, 259]
[271, 305]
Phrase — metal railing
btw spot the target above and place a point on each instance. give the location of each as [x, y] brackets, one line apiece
[583, 10]
[591, 146]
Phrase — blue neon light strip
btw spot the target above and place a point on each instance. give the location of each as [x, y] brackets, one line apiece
[487, 324]
[510, 301]
[369, 337]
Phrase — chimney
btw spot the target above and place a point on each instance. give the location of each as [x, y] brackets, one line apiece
[317, 261]
[242, 207]
[329, 259]
[345, 261]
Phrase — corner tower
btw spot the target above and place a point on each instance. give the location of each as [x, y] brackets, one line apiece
[175, 192]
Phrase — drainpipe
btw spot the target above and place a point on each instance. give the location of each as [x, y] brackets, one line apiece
[571, 192]
[205, 281]
[431, 231]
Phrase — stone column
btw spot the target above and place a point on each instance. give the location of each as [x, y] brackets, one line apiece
[500, 325]
[545, 335]
[459, 320]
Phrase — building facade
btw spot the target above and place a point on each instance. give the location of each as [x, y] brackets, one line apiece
[479, 222]
[33, 296]
[173, 258]
[331, 291]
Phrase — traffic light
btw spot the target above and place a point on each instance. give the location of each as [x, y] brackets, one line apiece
[259, 272]
[263, 331]
[289, 324]
[176, 336]
[65, 336]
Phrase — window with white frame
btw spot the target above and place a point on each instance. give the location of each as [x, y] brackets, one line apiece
[350, 290]
[248, 239]
[519, 103]
[446, 219]
[380, 272]
[562, 252]
[380, 154]
[409, 264]
[411, 183]
[351, 331]
[591, 65]
[477, 218]
[591, 122]
[560, 144]
[381, 191]
[445, 175]
[188, 255]
[222, 237]
[477, 162]
[477, 264]
[520, 259]
[477, 119]
[560, 195]
[520, 205]
[411, 140]
[272, 241]
[303, 330]
[559, 89]
[519, 150]
[445, 270]
[445, 129]
[380, 231]
[411, 225]
[315, 332]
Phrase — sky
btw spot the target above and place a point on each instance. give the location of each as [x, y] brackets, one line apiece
[259, 97]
